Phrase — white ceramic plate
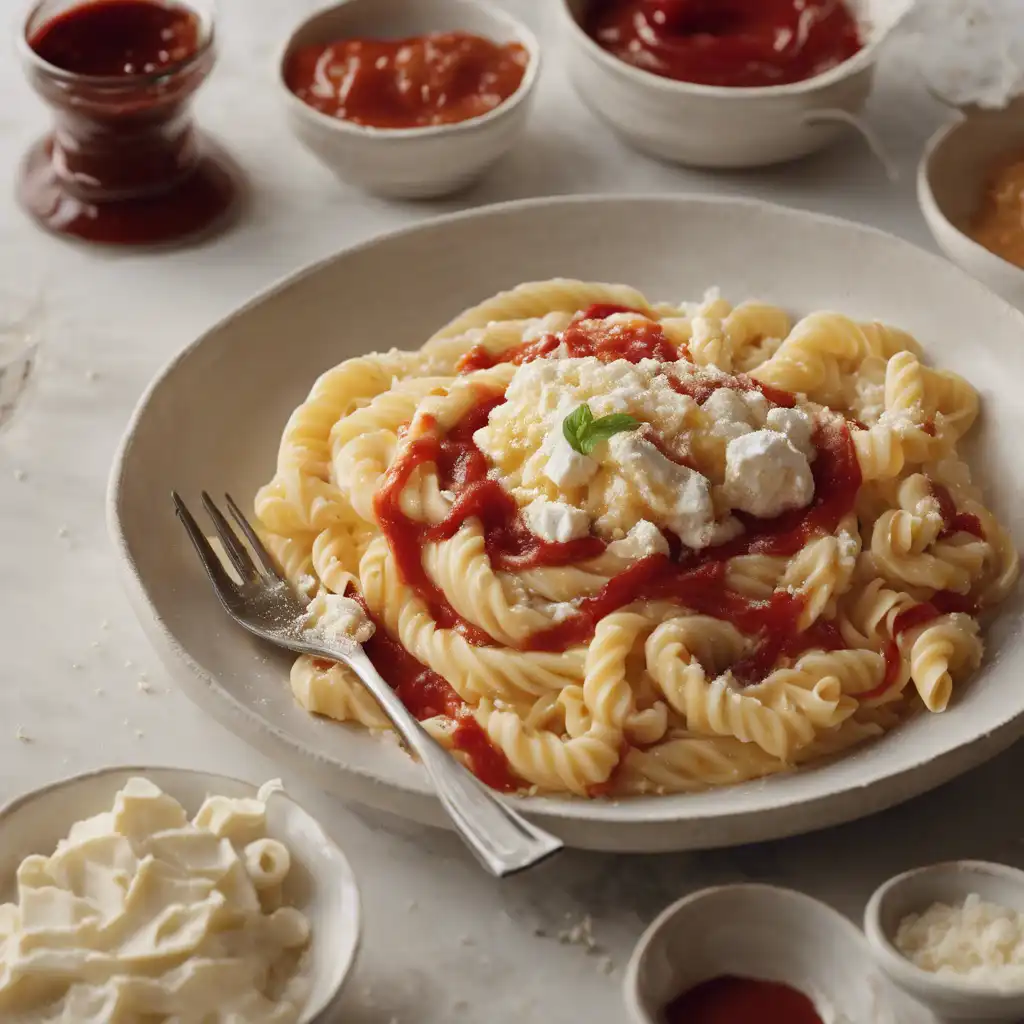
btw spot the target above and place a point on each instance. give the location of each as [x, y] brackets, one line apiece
[213, 419]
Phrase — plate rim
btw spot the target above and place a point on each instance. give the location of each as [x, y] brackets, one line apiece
[848, 802]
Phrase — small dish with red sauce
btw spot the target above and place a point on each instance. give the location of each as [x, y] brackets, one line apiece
[727, 83]
[744, 953]
[409, 99]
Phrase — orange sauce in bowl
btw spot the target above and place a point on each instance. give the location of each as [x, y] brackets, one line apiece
[999, 223]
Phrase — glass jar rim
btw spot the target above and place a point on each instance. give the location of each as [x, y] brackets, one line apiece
[115, 82]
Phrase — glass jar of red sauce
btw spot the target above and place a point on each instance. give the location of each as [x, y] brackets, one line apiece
[124, 163]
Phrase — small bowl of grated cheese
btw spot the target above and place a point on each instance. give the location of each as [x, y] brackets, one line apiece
[952, 936]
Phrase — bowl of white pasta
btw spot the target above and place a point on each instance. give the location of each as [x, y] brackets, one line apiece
[212, 897]
[679, 545]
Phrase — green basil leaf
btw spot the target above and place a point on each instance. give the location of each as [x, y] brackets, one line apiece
[575, 427]
[605, 427]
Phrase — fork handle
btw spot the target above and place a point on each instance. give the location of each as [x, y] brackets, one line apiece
[500, 838]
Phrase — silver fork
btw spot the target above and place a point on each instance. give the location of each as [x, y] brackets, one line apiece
[265, 604]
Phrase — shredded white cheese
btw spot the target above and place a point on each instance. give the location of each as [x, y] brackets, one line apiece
[975, 940]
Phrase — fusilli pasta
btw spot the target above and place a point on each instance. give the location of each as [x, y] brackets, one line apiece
[615, 547]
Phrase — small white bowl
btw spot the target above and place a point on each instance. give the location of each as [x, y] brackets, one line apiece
[759, 931]
[411, 163]
[915, 891]
[320, 883]
[720, 127]
[951, 181]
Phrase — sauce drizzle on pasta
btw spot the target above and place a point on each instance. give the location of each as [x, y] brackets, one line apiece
[695, 579]
[587, 335]
[427, 695]
[956, 522]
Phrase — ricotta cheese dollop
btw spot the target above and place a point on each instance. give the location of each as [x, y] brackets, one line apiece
[765, 475]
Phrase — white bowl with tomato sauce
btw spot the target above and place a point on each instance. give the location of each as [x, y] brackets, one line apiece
[759, 953]
[741, 110]
[381, 116]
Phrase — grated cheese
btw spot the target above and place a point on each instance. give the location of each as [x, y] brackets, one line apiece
[975, 940]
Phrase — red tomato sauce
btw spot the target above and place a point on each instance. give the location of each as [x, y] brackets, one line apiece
[731, 1000]
[427, 695]
[118, 38]
[943, 602]
[442, 78]
[737, 43]
[586, 336]
[956, 522]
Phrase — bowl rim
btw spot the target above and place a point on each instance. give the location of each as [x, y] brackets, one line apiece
[930, 206]
[863, 59]
[631, 980]
[524, 36]
[347, 952]
[903, 970]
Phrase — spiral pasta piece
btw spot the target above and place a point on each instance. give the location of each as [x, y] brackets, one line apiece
[939, 652]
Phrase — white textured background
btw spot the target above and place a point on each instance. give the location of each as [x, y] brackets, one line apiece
[443, 943]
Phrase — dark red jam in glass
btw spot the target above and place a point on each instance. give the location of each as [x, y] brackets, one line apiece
[124, 163]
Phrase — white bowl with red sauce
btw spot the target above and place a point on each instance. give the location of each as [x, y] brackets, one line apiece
[739, 112]
[756, 952]
[952, 179]
[374, 146]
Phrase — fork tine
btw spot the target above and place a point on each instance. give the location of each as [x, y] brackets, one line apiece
[222, 582]
[233, 547]
[265, 557]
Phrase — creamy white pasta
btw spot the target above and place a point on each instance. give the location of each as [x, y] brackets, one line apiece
[140, 915]
[612, 546]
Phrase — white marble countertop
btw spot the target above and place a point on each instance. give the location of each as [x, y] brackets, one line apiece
[443, 943]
